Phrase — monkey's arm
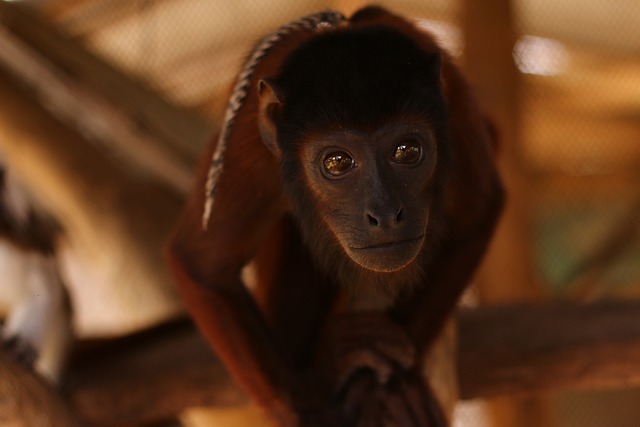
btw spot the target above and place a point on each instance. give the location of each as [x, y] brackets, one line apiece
[475, 202]
[207, 263]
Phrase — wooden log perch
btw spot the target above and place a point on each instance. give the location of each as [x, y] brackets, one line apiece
[147, 377]
[527, 349]
[502, 350]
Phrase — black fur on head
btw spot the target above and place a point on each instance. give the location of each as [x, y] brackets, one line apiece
[357, 77]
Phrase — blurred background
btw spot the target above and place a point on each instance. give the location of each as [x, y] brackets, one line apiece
[107, 103]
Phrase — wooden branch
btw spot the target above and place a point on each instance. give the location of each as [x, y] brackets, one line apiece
[147, 378]
[26, 400]
[503, 350]
[527, 349]
[99, 100]
[90, 15]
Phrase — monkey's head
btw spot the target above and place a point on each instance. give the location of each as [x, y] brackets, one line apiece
[358, 121]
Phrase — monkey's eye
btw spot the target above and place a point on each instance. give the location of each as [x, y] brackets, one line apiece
[338, 163]
[407, 152]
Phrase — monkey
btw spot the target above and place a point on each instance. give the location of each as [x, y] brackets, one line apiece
[38, 328]
[356, 173]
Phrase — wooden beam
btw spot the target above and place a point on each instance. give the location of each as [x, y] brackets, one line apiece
[507, 273]
[532, 348]
[503, 351]
[100, 101]
[147, 378]
[91, 15]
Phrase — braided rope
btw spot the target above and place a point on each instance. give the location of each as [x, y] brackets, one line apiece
[318, 21]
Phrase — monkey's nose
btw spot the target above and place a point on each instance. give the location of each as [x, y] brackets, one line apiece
[381, 218]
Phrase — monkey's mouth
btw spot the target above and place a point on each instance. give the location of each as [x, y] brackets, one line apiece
[387, 256]
[398, 244]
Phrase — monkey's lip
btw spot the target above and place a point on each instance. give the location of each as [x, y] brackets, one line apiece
[389, 245]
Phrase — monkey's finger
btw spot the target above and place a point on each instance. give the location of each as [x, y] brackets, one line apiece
[418, 404]
[362, 359]
[399, 410]
[425, 408]
[364, 404]
[356, 394]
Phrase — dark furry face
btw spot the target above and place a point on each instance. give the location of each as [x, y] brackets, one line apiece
[363, 147]
[374, 187]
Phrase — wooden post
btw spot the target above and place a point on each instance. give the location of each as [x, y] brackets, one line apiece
[507, 274]
[489, 65]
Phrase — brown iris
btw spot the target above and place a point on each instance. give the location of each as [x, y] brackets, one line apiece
[338, 163]
[408, 152]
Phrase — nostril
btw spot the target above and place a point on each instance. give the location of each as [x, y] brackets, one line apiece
[399, 215]
[372, 220]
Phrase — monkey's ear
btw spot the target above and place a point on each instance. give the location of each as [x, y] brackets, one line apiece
[268, 108]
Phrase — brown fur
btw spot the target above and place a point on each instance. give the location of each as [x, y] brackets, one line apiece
[268, 339]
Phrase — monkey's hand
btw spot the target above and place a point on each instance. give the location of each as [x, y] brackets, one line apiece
[404, 400]
[359, 341]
